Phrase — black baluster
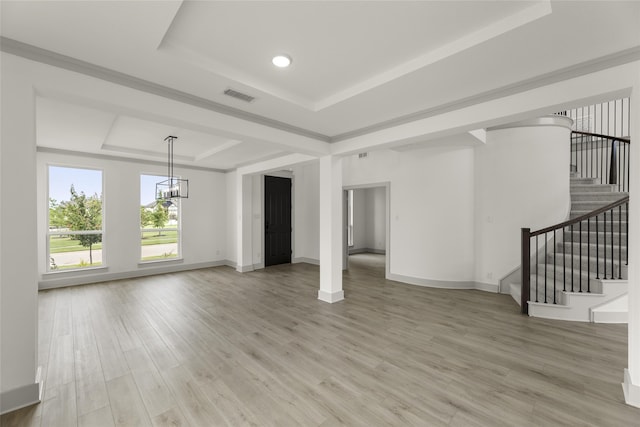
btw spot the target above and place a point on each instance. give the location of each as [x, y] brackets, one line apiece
[545, 267]
[627, 237]
[580, 256]
[572, 244]
[604, 246]
[555, 247]
[612, 255]
[537, 268]
[601, 144]
[597, 250]
[588, 255]
[564, 259]
[620, 242]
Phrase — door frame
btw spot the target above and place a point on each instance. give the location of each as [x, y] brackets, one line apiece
[387, 200]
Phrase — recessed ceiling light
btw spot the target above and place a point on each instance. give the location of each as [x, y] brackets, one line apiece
[281, 61]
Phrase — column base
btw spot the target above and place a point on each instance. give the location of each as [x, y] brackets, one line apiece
[330, 297]
[631, 391]
[22, 397]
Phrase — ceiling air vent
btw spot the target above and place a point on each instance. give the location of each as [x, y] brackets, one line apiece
[239, 95]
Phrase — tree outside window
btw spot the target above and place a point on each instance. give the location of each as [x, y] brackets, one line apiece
[159, 223]
[75, 218]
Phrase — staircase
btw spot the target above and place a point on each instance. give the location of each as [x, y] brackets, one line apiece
[589, 271]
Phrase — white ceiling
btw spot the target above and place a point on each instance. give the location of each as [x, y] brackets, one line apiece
[356, 65]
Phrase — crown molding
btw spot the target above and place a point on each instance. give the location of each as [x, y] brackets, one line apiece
[34, 53]
[48, 57]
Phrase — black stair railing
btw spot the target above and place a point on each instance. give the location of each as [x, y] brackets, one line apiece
[603, 157]
[600, 141]
[594, 241]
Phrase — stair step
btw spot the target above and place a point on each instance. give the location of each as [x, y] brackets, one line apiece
[577, 274]
[597, 196]
[600, 237]
[591, 248]
[593, 205]
[591, 188]
[600, 225]
[615, 215]
[541, 292]
[604, 265]
[581, 180]
[595, 288]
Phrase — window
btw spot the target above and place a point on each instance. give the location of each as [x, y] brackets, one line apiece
[75, 227]
[159, 223]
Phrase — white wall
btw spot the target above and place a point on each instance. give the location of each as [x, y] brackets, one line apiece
[359, 219]
[231, 218]
[306, 211]
[18, 278]
[375, 218]
[204, 218]
[521, 180]
[369, 219]
[431, 203]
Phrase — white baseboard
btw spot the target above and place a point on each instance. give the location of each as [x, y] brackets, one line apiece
[330, 297]
[20, 397]
[313, 261]
[487, 287]
[244, 268]
[444, 284]
[149, 269]
[631, 391]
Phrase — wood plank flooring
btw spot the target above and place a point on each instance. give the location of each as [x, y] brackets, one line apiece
[213, 347]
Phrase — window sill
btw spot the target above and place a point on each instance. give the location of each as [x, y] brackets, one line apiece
[156, 262]
[76, 271]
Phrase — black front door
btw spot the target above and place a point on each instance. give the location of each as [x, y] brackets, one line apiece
[277, 220]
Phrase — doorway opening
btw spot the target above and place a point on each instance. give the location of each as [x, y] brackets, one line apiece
[366, 230]
[277, 220]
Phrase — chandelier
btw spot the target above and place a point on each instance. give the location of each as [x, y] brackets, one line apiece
[172, 187]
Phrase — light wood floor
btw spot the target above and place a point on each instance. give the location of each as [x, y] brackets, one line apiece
[214, 347]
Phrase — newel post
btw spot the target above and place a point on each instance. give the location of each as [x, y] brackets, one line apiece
[525, 268]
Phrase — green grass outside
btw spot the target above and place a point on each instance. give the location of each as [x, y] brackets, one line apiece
[152, 238]
[58, 244]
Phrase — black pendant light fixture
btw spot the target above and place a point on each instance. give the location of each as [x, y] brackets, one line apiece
[172, 187]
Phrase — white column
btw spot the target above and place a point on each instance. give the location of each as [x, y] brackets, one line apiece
[631, 384]
[18, 245]
[244, 213]
[330, 230]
